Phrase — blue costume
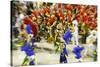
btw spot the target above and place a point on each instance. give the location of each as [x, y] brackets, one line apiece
[77, 51]
[28, 50]
[28, 29]
[67, 36]
[63, 56]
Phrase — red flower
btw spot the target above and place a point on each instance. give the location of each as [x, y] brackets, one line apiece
[78, 17]
[69, 16]
[68, 7]
[59, 5]
[51, 20]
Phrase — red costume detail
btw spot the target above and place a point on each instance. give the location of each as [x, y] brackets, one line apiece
[33, 25]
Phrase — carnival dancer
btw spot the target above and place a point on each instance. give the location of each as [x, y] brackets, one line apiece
[29, 46]
[66, 39]
[91, 44]
[78, 48]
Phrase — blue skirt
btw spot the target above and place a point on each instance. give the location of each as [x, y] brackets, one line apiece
[63, 58]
